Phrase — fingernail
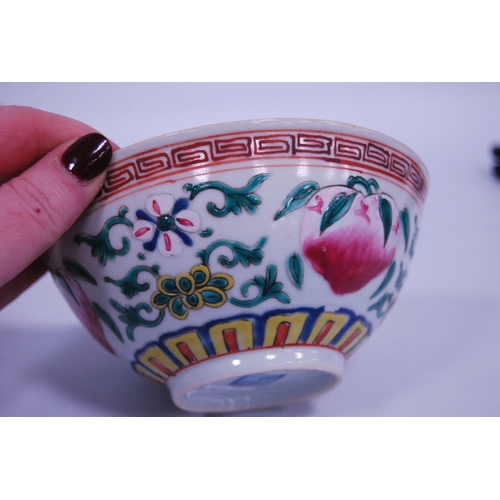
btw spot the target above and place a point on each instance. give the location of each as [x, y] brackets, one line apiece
[87, 157]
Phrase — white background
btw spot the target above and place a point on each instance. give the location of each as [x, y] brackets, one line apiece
[438, 351]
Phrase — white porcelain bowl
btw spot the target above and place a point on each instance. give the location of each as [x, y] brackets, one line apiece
[240, 264]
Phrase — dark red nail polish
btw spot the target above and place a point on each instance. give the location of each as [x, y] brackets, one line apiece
[87, 157]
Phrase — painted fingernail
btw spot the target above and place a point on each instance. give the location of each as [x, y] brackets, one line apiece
[87, 157]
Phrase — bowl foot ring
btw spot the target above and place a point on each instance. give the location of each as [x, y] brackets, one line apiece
[260, 378]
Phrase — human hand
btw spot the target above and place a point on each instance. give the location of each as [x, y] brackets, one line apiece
[51, 168]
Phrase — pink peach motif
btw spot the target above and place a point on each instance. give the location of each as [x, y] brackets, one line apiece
[348, 237]
[81, 307]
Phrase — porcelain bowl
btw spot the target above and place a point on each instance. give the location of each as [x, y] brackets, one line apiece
[240, 264]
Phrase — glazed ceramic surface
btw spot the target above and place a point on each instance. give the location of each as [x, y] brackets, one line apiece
[240, 264]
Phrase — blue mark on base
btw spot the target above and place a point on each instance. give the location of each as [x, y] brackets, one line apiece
[257, 379]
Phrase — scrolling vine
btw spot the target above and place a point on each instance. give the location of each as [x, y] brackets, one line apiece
[338, 222]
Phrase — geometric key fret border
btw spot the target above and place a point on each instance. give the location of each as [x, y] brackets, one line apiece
[335, 149]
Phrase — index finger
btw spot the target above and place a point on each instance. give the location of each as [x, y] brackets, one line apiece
[28, 134]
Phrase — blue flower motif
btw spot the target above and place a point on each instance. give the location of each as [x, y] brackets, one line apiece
[165, 224]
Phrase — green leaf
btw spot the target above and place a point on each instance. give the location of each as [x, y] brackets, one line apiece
[100, 244]
[380, 306]
[241, 253]
[64, 284]
[107, 320]
[386, 280]
[268, 288]
[401, 277]
[367, 184]
[295, 270]
[297, 198]
[236, 199]
[404, 217]
[78, 271]
[385, 211]
[414, 238]
[129, 285]
[131, 316]
[338, 207]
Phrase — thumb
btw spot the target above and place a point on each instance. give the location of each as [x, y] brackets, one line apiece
[40, 205]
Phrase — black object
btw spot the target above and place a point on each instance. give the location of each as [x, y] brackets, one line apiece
[496, 152]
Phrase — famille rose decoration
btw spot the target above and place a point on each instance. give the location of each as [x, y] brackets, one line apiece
[241, 264]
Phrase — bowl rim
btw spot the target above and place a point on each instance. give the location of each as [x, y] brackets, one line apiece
[266, 124]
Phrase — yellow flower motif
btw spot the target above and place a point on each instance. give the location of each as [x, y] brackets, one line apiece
[191, 290]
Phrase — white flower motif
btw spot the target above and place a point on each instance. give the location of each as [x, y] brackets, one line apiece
[165, 224]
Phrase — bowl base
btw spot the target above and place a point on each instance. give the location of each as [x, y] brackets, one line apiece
[256, 379]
